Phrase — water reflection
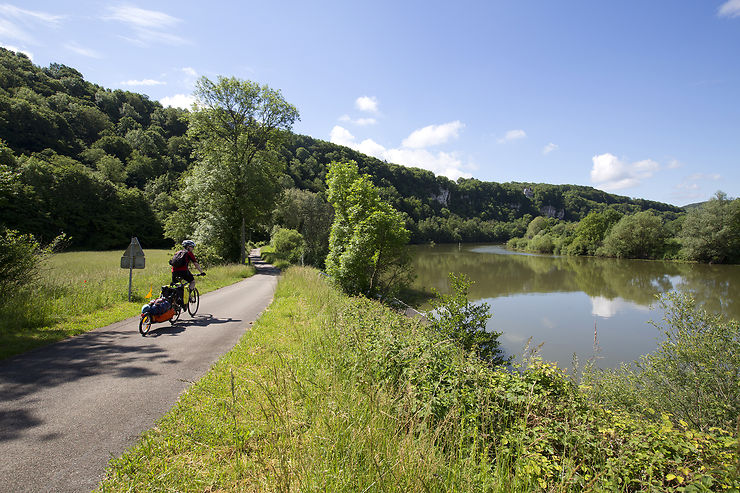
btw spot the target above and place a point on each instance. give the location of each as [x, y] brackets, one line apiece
[559, 300]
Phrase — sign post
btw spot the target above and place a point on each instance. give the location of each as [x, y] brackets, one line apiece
[133, 258]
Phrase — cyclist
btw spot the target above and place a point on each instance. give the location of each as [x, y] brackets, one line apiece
[182, 271]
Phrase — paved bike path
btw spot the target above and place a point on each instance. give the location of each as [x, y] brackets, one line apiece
[67, 408]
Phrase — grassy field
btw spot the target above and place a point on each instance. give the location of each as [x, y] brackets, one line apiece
[329, 393]
[80, 291]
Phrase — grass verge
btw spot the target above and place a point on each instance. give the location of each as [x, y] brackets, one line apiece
[81, 291]
[329, 393]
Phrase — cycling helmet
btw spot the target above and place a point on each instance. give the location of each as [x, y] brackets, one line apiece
[188, 243]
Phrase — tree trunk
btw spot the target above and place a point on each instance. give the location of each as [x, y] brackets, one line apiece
[242, 243]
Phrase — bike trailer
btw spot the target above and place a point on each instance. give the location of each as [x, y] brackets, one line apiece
[163, 317]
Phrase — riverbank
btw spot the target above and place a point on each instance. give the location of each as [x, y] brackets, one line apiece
[340, 394]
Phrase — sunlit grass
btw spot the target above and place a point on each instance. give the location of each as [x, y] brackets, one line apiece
[330, 393]
[80, 291]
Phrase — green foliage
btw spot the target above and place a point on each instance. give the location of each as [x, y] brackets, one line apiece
[711, 233]
[20, 258]
[309, 214]
[693, 375]
[235, 183]
[454, 316]
[288, 244]
[591, 231]
[330, 393]
[367, 243]
[70, 165]
[640, 235]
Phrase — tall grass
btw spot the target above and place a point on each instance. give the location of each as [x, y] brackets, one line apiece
[329, 393]
[79, 291]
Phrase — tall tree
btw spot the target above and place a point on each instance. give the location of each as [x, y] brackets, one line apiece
[309, 214]
[235, 125]
[640, 235]
[367, 242]
[711, 233]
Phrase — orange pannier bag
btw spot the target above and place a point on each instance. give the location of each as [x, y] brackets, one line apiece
[163, 317]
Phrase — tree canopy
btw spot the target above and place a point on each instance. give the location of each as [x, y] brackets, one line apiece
[236, 180]
[367, 243]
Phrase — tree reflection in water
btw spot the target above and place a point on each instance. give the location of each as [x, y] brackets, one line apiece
[559, 300]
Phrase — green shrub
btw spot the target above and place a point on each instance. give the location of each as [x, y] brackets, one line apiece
[453, 316]
[694, 375]
[288, 244]
[542, 243]
[20, 257]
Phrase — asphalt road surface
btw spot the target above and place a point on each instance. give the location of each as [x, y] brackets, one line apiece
[67, 408]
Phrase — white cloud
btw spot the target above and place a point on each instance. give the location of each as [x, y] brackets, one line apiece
[184, 101]
[372, 148]
[28, 18]
[342, 136]
[692, 186]
[142, 18]
[441, 163]
[362, 122]
[674, 164]
[26, 15]
[144, 82]
[367, 103]
[549, 148]
[190, 71]
[433, 135]
[17, 50]
[512, 135]
[148, 25]
[610, 173]
[10, 30]
[731, 8]
[81, 50]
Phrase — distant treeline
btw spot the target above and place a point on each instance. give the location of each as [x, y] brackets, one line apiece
[102, 165]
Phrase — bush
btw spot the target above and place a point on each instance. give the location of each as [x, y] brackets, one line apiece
[288, 244]
[20, 257]
[693, 375]
[457, 318]
[542, 243]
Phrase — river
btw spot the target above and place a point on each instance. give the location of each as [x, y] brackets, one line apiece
[563, 302]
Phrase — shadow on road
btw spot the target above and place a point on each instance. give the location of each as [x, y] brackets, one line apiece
[79, 357]
[263, 267]
[200, 320]
[87, 355]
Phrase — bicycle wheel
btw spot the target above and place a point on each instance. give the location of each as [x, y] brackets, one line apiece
[193, 301]
[176, 316]
[145, 324]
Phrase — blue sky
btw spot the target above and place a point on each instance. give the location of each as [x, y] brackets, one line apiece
[639, 98]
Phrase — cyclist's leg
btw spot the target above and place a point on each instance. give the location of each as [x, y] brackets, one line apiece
[188, 276]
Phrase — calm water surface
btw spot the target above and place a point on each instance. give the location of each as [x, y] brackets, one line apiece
[559, 301]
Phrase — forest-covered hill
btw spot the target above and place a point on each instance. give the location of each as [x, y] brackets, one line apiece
[101, 165]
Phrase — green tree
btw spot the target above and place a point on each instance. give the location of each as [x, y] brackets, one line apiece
[367, 243]
[711, 233]
[457, 318]
[309, 214]
[591, 231]
[288, 244]
[640, 235]
[235, 127]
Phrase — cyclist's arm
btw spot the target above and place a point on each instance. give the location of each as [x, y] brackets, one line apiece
[197, 266]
